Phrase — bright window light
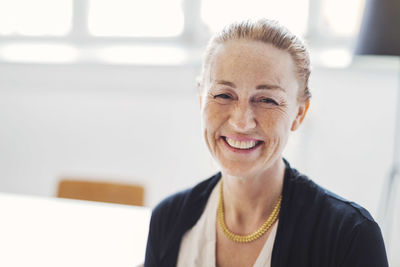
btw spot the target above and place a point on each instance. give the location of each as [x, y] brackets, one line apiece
[135, 18]
[142, 55]
[342, 17]
[44, 53]
[35, 18]
[291, 13]
[334, 58]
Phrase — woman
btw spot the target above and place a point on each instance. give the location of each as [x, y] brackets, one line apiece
[258, 211]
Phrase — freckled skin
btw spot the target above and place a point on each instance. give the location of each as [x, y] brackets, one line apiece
[243, 110]
[233, 104]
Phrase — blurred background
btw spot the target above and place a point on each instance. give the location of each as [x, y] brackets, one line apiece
[105, 90]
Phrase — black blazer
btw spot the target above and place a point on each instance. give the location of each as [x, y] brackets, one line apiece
[316, 227]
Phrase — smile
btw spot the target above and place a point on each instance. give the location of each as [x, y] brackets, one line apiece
[241, 144]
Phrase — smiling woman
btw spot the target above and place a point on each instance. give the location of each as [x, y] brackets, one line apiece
[257, 103]
[258, 211]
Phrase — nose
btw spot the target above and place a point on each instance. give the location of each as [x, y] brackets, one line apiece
[242, 117]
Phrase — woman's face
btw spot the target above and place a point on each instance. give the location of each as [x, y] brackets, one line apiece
[249, 105]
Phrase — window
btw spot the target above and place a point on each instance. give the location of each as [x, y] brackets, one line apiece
[291, 13]
[341, 18]
[35, 18]
[148, 18]
[170, 23]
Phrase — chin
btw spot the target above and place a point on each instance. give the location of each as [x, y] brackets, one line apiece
[239, 170]
[249, 169]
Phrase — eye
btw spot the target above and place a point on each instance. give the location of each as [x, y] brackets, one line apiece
[222, 96]
[268, 101]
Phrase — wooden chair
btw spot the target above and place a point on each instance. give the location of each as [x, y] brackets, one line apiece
[101, 191]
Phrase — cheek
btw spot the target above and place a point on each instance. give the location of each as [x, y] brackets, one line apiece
[275, 123]
[213, 116]
[212, 120]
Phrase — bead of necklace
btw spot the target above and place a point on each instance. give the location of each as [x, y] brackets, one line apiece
[253, 236]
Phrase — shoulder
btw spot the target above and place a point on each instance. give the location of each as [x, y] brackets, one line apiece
[171, 218]
[321, 201]
[195, 197]
[340, 231]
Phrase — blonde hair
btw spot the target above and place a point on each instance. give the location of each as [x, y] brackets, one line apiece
[267, 31]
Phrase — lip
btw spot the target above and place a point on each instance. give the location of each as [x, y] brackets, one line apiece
[242, 151]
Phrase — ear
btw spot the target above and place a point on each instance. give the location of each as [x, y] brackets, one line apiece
[301, 113]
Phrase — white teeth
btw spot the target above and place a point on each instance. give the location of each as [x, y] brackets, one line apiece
[240, 144]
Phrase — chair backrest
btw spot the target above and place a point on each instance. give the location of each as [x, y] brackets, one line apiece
[101, 191]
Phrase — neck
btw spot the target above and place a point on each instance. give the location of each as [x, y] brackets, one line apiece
[250, 200]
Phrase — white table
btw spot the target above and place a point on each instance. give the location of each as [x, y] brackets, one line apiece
[39, 231]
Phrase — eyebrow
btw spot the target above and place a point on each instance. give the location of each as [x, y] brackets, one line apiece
[259, 87]
[226, 83]
[269, 87]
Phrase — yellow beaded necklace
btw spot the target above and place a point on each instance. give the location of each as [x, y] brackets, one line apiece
[251, 237]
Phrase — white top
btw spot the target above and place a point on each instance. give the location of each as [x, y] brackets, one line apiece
[198, 244]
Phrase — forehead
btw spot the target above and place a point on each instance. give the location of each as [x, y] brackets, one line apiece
[252, 60]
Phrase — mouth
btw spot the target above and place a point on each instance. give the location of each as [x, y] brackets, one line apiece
[241, 145]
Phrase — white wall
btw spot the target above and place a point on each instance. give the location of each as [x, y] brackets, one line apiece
[136, 124]
[141, 124]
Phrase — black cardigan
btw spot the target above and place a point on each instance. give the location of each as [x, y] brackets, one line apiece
[316, 227]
